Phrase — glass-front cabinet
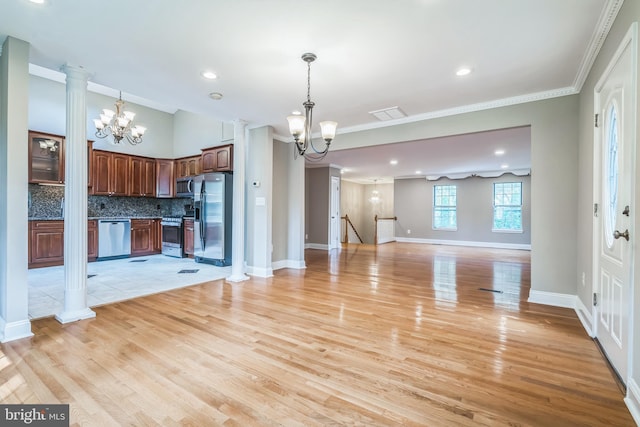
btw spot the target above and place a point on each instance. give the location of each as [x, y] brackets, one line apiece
[46, 158]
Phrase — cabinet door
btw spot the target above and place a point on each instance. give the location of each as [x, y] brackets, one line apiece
[192, 166]
[46, 243]
[209, 160]
[46, 158]
[149, 178]
[188, 236]
[136, 177]
[101, 172]
[224, 159]
[141, 236]
[157, 236]
[165, 180]
[92, 240]
[120, 174]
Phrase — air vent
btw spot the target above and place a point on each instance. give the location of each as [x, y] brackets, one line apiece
[390, 113]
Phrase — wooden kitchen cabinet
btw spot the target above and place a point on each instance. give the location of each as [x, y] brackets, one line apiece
[110, 173]
[188, 237]
[157, 238]
[188, 166]
[143, 232]
[217, 159]
[46, 243]
[142, 178]
[165, 179]
[92, 240]
[46, 158]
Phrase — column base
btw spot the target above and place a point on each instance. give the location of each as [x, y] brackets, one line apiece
[14, 330]
[72, 316]
[235, 278]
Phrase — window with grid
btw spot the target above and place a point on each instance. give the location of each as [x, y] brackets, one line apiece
[444, 207]
[507, 206]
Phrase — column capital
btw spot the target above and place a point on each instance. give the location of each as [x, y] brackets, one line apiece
[240, 123]
[75, 72]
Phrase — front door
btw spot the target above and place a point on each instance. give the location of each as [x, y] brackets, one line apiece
[614, 181]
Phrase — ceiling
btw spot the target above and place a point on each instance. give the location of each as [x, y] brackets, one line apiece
[372, 54]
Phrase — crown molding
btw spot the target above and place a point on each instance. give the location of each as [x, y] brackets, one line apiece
[57, 76]
[605, 22]
[522, 99]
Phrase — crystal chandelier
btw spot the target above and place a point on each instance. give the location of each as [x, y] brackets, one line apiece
[300, 126]
[119, 125]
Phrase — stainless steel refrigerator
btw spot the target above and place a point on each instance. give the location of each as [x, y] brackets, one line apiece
[212, 202]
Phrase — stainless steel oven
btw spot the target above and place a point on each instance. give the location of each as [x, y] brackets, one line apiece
[172, 236]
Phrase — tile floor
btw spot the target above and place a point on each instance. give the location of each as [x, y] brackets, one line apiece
[117, 280]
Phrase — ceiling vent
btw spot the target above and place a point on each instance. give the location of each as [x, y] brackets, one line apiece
[390, 113]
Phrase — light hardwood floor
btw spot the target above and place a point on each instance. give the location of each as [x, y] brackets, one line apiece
[398, 334]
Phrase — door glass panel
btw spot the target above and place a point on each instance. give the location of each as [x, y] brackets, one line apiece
[611, 175]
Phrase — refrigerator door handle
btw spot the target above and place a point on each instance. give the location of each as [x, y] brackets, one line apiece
[203, 217]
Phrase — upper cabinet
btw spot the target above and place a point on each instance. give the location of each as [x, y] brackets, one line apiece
[46, 158]
[217, 159]
[188, 166]
[110, 173]
[142, 181]
[165, 178]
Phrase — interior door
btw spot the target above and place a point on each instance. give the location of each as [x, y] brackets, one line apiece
[615, 177]
[334, 219]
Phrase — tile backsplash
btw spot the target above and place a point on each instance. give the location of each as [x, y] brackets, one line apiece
[45, 202]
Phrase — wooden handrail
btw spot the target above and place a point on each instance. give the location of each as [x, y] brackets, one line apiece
[346, 230]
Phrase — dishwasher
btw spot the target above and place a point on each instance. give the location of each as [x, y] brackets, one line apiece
[114, 238]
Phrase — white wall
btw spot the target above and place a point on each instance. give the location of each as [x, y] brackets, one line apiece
[47, 112]
[193, 132]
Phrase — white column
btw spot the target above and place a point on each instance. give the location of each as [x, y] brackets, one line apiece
[75, 199]
[14, 234]
[239, 161]
[296, 239]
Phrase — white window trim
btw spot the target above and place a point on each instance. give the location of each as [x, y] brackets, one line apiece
[506, 230]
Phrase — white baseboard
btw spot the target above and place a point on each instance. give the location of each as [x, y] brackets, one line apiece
[633, 400]
[493, 245]
[259, 271]
[552, 298]
[15, 330]
[289, 263]
[320, 246]
[584, 314]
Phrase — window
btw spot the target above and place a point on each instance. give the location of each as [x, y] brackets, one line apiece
[444, 207]
[507, 206]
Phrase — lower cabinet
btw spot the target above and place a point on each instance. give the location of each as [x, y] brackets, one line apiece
[145, 237]
[92, 240]
[188, 237]
[46, 242]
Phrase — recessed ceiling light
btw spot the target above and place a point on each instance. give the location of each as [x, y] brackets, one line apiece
[215, 96]
[504, 166]
[418, 172]
[499, 152]
[463, 71]
[209, 75]
[296, 113]
[393, 162]
[37, 1]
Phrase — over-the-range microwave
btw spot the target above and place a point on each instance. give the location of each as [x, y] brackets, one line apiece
[184, 187]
